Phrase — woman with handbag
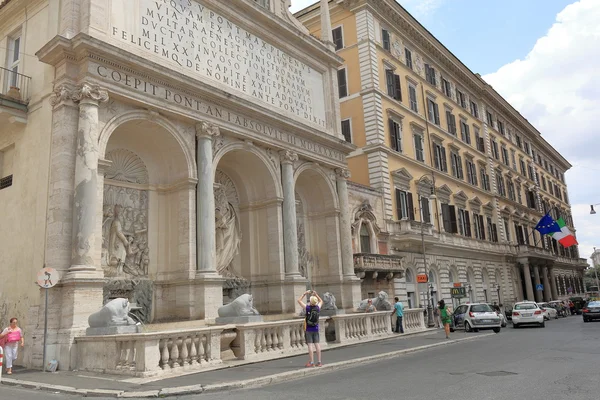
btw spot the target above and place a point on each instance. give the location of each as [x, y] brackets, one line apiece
[445, 316]
[11, 337]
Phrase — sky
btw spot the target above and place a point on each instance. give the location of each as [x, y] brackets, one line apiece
[543, 56]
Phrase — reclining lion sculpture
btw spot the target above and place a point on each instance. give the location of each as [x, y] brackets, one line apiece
[240, 307]
[113, 313]
[380, 302]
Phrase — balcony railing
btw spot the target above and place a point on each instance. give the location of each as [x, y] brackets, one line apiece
[366, 262]
[14, 86]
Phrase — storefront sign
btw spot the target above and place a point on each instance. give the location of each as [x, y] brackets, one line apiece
[190, 38]
[422, 278]
[458, 292]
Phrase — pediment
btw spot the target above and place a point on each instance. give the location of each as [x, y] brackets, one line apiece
[488, 206]
[444, 190]
[461, 196]
[403, 174]
[475, 201]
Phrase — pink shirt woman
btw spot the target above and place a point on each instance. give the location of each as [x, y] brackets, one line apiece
[11, 337]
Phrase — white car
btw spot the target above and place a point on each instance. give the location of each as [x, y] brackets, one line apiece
[549, 312]
[527, 313]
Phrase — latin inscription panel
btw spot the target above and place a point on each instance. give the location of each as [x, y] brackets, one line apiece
[187, 36]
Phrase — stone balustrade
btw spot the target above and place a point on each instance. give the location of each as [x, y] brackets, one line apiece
[149, 354]
[266, 340]
[362, 326]
[414, 320]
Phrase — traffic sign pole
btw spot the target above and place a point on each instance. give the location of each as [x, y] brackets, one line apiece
[45, 329]
[46, 278]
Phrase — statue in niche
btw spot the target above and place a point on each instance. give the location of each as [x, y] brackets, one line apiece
[118, 244]
[227, 233]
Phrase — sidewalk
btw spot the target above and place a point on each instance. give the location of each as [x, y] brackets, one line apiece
[232, 377]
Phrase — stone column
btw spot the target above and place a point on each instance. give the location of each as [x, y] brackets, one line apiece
[536, 275]
[553, 284]
[290, 230]
[209, 284]
[547, 286]
[205, 199]
[528, 286]
[85, 196]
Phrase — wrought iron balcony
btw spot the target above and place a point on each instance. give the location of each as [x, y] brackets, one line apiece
[14, 88]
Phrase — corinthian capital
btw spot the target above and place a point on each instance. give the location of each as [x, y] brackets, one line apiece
[288, 156]
[206, 129]
[342, 173]
[87, 91]
[62, 93]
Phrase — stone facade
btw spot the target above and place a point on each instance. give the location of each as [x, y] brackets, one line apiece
[180, 148]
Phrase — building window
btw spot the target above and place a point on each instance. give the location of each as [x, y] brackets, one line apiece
[523, 168]
[490, 119]
[526, 144]
[457, 170]
[511, 190]
[544, 183]
[485, 179]
[478, 226]
[505, 159]
[262, 3]
[430, 74]
[495, 149]
[513, 159]
[464, 223]
[464, 132]
[385, 39]
[425, 213]
[550, 188]
[519, 198]
[451, 122]
[347, 130]
[342, 83]
[6, 166]
[479, 141]
[412, 94]
[500, 184]
[519, 234]
[565, 197]
[474, 109]
[501, 128]
[471, 173]
[395, 135]
[449, 218]
[419, 153]
[408, 55]
[546, 165]
[507, 230]
[393, 85]
[519, 144]
[460, 99]
[338, 38]
[404, 205]
[439, 157]
[433, 112]
[492, 230]
[531, 203]
[531, 174]
[13, 61]
[446, 88]
[365, 239]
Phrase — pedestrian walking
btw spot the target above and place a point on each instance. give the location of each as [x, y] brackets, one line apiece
[311, 325]
[438, 320]
[445, 317]
[11, 337]
[399, 310]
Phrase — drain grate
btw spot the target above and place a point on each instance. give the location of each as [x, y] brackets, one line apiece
[496, 373]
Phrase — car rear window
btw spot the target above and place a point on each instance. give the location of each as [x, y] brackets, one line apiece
[525, 306]
[594, 304]
[481, 308]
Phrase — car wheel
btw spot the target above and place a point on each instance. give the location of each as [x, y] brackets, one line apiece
[496, 330]
[586, 320]
[515, 326]
[504, 325]
[468, 327]
[543, 324]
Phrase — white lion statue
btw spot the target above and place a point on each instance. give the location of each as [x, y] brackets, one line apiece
[380, 302]
[240, 307]
[329, 301]
[114, 313]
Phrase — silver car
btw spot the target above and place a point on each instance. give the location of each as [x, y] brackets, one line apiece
[473, 317]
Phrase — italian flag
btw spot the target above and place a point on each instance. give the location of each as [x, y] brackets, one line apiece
[564, 237]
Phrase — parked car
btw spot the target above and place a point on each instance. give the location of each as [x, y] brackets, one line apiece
[549, 311]
[475, 317]
[527, 313]
[591, 311]
[498, 311]
[561, 310]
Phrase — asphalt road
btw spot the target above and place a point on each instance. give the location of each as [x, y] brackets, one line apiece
[555, 363]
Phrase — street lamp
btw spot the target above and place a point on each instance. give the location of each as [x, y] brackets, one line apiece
[432, 196]
[498, 291]
[592, 211]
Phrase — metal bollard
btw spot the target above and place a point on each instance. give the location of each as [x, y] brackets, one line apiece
[1, 361]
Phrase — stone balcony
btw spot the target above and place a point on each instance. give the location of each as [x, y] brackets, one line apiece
[547, 255]
[388, 265]
[14, 96]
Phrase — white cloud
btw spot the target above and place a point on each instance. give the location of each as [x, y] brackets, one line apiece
[557, 87]
[418, 8]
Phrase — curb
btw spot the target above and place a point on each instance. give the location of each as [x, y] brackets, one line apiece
[227, 386]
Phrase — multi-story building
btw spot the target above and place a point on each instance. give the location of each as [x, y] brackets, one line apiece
[462, 176]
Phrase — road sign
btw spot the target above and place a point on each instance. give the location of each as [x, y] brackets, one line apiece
[458, 292]
[47, 278]
[539, 287]
[422, 278]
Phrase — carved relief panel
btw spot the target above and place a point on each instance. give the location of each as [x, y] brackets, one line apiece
[125, 251]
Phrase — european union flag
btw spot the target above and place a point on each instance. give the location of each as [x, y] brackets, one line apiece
[547, 225]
